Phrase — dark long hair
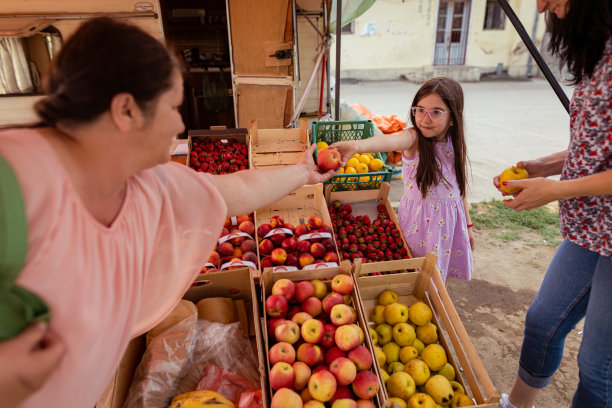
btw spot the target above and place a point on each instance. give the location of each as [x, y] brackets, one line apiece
[579, 39]
[428, 173]
[102, 58]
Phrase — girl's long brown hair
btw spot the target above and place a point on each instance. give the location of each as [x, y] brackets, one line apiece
[428, 174]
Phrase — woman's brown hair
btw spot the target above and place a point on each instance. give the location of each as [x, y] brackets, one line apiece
[102, 58]
[428, 173]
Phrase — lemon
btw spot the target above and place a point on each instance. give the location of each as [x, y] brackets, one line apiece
[364, 159]
[370, 156]
[356, 156]
[341, 170]
[350, 169]
[352, 162]
[322, 145]
[364, 178]
[376, 165]
[362, 168]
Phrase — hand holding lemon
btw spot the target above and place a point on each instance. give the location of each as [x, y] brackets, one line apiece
[512, 173]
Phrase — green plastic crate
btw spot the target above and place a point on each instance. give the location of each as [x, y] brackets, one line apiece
[336, 131]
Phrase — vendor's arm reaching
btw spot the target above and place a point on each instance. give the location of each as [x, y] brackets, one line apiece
[379, 143]
[249, 190]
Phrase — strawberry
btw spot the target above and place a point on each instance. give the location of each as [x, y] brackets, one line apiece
[381, 208]
[366, 220]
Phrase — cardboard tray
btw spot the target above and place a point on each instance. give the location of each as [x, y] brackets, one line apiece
[326, 275]
[422, 281]
[296, 208]
[235, 284]
[240, 135]
[364, 202]
[277, 147]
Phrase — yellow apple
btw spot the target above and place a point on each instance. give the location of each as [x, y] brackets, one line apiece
[391, 350]
[401, 385]
[396, 313]
[440, 389]
[434, 356]
[447, 371]
[418, 344]
[418, 370]
[314, 404]
[322, 385]
[387, 297]
[421, 400]
[408, 353]
[461, 400]
[397, 402]
[380, 356]
[428, 333]
[286, 398]
[396, 367]
[457, 388]
[374, 335]
[385, 333]
[403, 334]
[320, 288]
[378, 314]
[420, 313]
[512, 173]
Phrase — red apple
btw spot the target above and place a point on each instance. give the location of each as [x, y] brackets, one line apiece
[329, 331]
[273, 324]
[341, 314]
[302, 375]
[287, 332]
[304, 290]
[322, 385]
[281, 352]
[329, 159]
[284, 287]
[361, 356]
[312, 306]
[266, 262]
[281, 376]
[344, 370]
[300, 317]
[333, 353]
[343, 392]
[365, 385]
[330, 300]
[276, 306]
[311, 354]
[285, 397]
[343, 284]
[312, 331]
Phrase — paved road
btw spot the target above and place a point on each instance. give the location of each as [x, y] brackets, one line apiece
[505, 121]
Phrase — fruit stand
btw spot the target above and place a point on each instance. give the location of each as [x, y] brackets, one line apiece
[322, 286]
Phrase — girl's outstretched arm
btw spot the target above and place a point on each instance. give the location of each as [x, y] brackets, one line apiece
[380, 143]
[468, 220]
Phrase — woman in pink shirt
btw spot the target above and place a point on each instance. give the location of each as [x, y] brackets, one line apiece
[116, 233]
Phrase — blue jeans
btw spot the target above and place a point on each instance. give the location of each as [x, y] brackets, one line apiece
[578, 283]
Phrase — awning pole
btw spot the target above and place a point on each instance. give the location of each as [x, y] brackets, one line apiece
[518, 26]
[338, 37]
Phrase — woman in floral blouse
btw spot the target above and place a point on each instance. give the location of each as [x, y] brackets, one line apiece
[578, 283]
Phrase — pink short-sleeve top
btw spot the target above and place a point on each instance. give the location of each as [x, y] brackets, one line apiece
[105, 285]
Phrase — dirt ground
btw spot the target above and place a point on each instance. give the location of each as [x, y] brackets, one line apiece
[493, 304]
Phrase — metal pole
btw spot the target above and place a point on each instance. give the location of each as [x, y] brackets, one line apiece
[518, 26]
[338, 37]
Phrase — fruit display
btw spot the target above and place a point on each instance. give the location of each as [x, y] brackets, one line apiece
[317, 355]
[285, 247]
[360, 237]
[218, 156]
[236, 246]
[413, 364]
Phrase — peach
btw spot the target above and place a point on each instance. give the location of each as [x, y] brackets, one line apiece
[284, 398]
[343, 284]
[330, 300]
[289, 244]
[265, 246]
[312, 331]
[237, 252]
[301, 230]
[305, 259]
[266, 262]
[318, 250]
[301, 317]
[225, 249]
[322, 385]
[312, 306]
[292, 260]
[341, 314]
[276, 306]
[344, 370]
[347, 337]
[333, 353]
[247, 227]
[304, 290]
[278, 256]
[288, 332]
[365, 385]
[276, 221]
[302, 375]
[281, 352]
[310, 354]
[250, 256]
[281, 376]
[214, 258]
[362, 357]
[315, 222]
[248, 245]
[330, 256]
[242, 218]
[263, 230]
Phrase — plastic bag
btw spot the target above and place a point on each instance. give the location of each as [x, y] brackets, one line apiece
[231, 386]
[225, 346]
[163, 364]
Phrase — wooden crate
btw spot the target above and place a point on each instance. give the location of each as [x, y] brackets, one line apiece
[277, 147]
[241, 135]
[325, 275]
[425, 284]
[235, 284]
[365, 202]
[296, 208]
[179, 157]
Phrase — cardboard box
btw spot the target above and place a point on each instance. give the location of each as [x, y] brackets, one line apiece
[240, 135]
[296, 208]
[421, 281]
[326, 275]
[364, 202]
[235, 284]
[277, 147]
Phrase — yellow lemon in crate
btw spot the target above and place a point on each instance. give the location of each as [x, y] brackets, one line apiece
[370, 156]
[341, 170]
[364, 178]
[352, 162]
[322, 145]
[362, 168]
[376, 165]
[364, 159]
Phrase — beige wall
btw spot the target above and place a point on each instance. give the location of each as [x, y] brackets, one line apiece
[403, 42]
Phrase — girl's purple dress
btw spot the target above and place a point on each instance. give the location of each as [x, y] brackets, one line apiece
[436, 223]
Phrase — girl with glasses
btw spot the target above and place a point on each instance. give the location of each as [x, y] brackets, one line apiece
[433, 212]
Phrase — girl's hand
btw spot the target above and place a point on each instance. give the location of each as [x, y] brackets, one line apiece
[535, 192]
[27, 361]
[533, 167]
[314, 175]
[346, 149]
[472, 240]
